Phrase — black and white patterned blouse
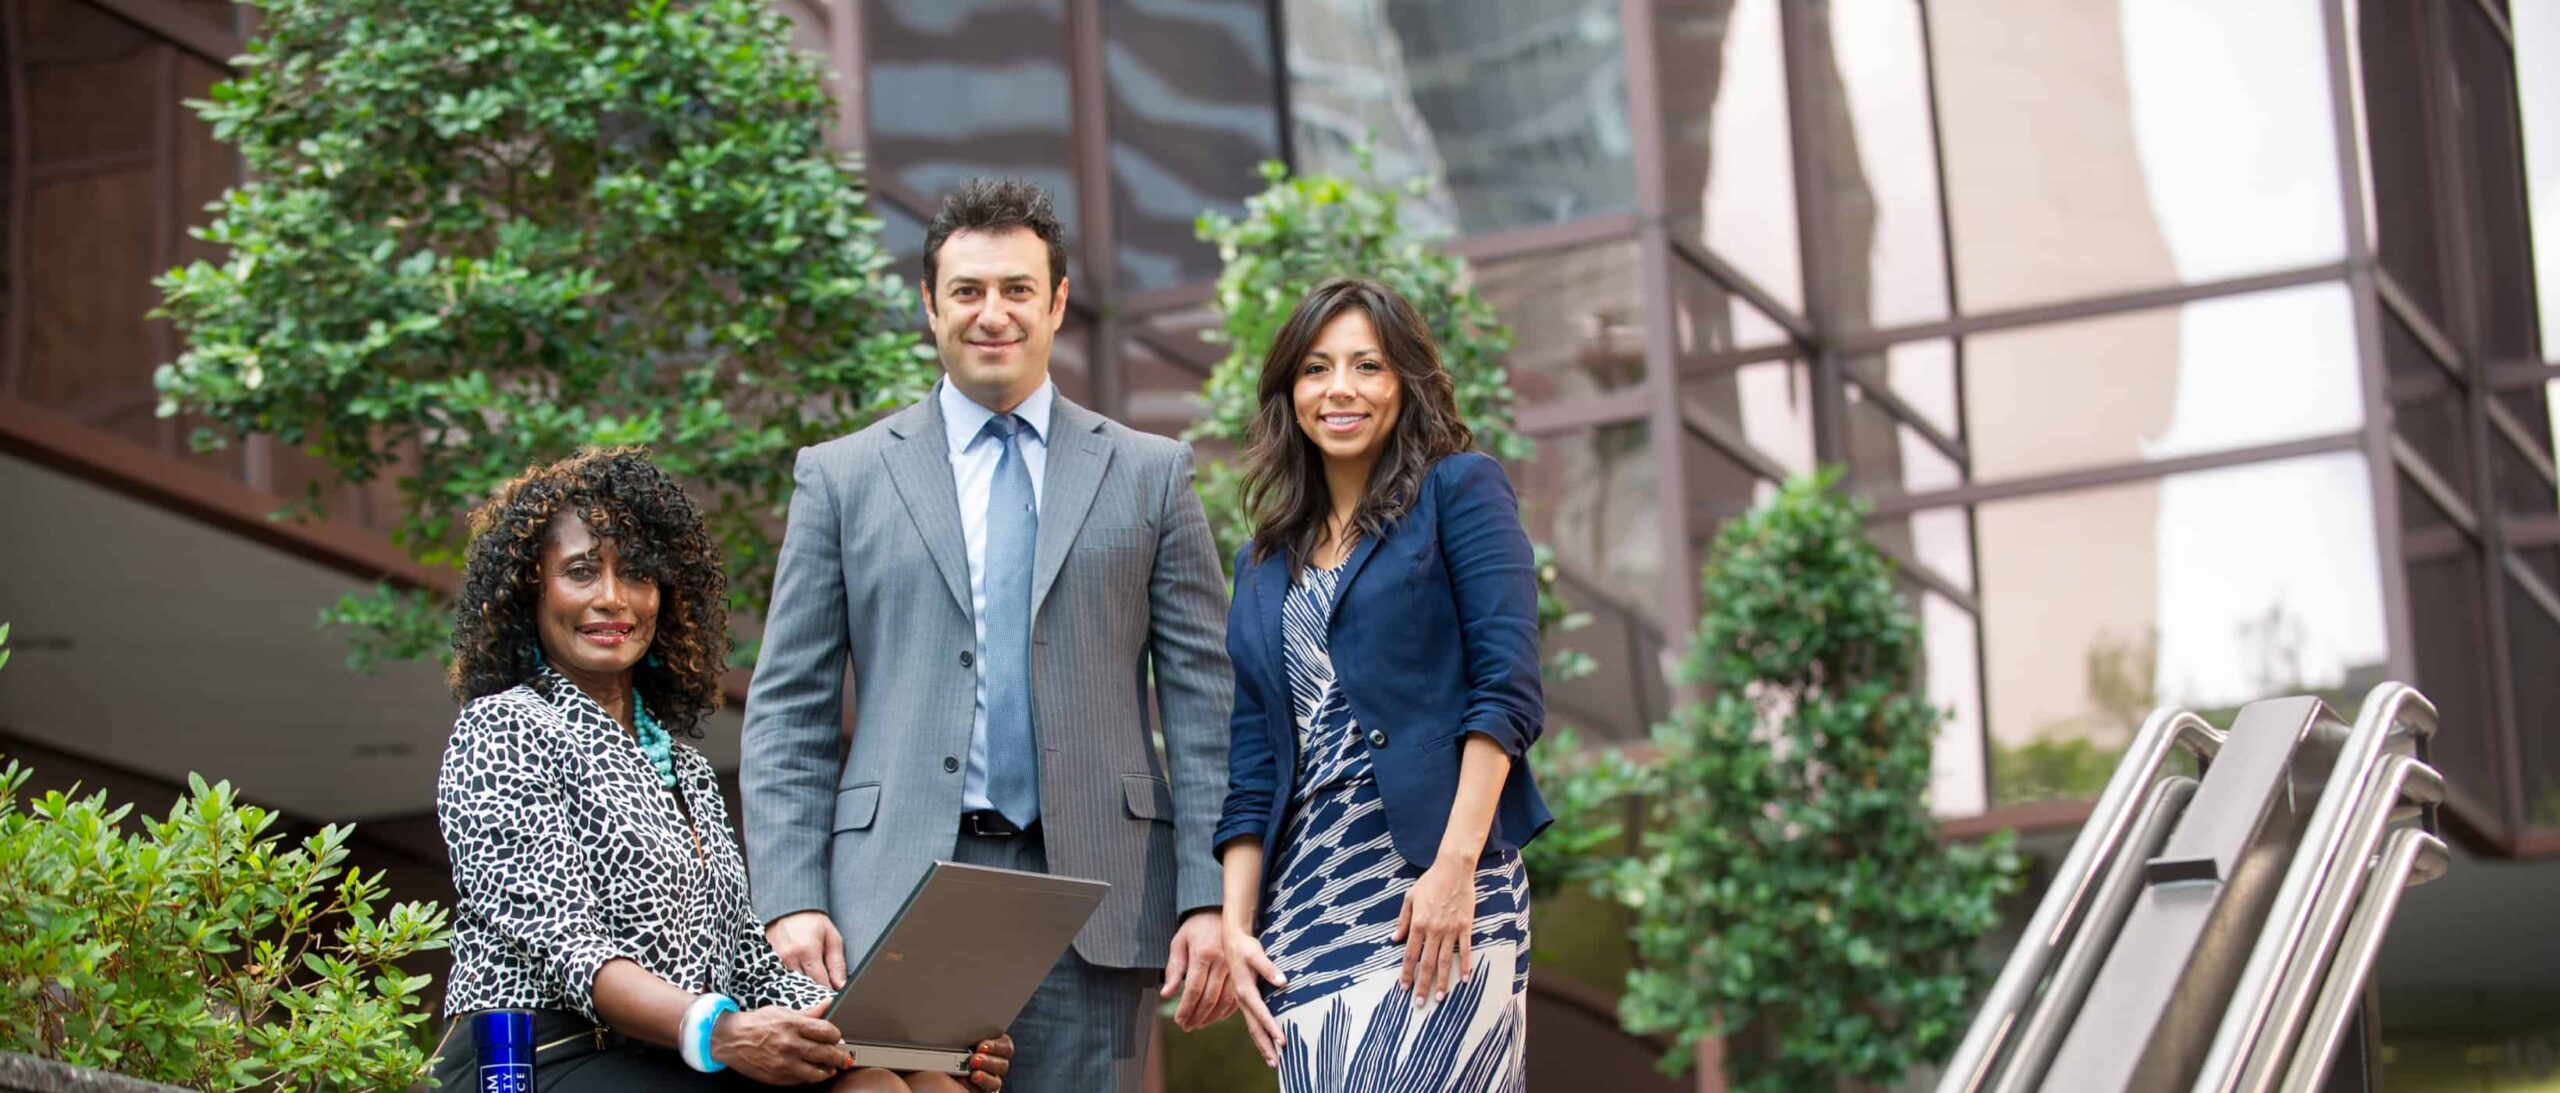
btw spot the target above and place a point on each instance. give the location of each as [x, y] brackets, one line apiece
[569, 851]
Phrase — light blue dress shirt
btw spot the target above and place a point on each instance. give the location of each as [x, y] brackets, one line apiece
[973, 471]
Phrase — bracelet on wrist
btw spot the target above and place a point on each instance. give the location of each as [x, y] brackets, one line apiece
[693, 1035]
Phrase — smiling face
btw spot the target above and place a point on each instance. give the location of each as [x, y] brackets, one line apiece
[993, 315]
[596, 621]
[1347, 396]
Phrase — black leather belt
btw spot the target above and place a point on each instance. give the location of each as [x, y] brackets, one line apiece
[987, 823]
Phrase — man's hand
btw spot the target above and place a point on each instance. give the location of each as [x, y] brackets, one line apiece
[1197, 965]
[808, 943]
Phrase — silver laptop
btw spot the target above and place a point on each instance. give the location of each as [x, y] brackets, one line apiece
[957, 964]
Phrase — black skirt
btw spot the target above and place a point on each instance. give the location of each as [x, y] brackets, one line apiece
[573, 1054]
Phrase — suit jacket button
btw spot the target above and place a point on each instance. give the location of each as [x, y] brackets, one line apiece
[1377, 738]
[951, 763]
[966, 659]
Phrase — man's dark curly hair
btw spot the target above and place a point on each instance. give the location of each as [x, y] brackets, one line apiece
[995, 205]
[660, 536]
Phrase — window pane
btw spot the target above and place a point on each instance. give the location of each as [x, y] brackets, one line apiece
[1625, 693]
[1766, 404]
[1191, 114]
[1164, 394]
[1720, 489]
[2523, 491]
[1889, 458]
[2203, 590]
[1071, 359]
[2533, 647]
[1884, 197]
[2223, 373]
[2493, 165]
[1590, 496]
[2447, 628]
[2100, 147]
[1576, 317]
[2428, 407]
[1712, 326]
[2419, 511]
[2537, 31]
[1730, 162]
[2408, 213]
[971, 89]
[1951, 671]
[1515, 114]
[1939, 540]
[1923, 373]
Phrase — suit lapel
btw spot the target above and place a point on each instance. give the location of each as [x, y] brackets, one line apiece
[1269, 586]
[920, 467]
[1351, 568]
[1078, 454]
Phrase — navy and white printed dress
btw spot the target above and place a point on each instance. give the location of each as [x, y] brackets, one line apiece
[1335, 894]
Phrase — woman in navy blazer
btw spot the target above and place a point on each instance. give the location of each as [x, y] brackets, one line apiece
[1384, 631]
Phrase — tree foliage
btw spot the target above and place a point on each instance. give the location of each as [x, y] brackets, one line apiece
[480, 235]
[1791, 889]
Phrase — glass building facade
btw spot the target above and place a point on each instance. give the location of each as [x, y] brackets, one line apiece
[2190, 351]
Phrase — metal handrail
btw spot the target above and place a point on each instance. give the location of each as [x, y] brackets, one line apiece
[2413, 857]
[2111, 823]
[2036, 1044]
[2397, 778]
[2244, 1025]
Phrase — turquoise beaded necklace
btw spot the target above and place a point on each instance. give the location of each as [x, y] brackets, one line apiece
[654, 741]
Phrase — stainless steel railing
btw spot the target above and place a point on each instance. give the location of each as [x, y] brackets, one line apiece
[2361, 797]
[2099, 850]
[2303, 944]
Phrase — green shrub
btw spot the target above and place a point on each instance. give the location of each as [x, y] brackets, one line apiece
[199, 950]
[481, 234]
[1790, 889]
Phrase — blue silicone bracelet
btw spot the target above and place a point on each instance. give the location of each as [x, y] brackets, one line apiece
[701, 1033]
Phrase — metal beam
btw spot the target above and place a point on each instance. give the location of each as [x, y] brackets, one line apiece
[2094, 307]
[178, 26]
[1974, 493]
[45, 437]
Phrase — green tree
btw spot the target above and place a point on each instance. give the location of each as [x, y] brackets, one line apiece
[1790, 890]
[481, 234]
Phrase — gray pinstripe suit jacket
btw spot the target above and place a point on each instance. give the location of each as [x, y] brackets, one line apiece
[873, 568]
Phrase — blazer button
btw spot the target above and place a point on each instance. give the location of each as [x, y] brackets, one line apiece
[951, 763]
[1377, 738]
[966, 659]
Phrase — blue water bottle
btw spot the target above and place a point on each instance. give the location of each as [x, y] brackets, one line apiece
[503, 1040]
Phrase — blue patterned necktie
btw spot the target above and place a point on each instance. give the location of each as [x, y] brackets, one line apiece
[1013, 526]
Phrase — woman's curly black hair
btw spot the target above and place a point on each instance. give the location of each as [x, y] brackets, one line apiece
[660, 536]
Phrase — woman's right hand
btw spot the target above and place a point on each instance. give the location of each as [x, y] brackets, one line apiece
[1248, 967]
[778, 1045]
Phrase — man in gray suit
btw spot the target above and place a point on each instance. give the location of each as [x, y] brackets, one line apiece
[1006, 572]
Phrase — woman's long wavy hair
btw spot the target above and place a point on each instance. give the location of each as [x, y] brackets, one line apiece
[1284, 483]
[660, 537]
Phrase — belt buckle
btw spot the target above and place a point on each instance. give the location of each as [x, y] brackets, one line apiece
[987, 824]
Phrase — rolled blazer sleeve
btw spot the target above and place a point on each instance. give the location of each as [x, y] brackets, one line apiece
[508, 834]
[1496, 584]
[1194, 683]
[1250, 775]
[788, 754]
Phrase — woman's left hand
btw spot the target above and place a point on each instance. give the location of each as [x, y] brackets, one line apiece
[988, 1066]
[1438, 921]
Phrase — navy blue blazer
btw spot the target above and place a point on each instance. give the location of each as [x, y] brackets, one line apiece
[1434, 635]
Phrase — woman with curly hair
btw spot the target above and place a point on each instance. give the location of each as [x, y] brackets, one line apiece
[601, 887]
